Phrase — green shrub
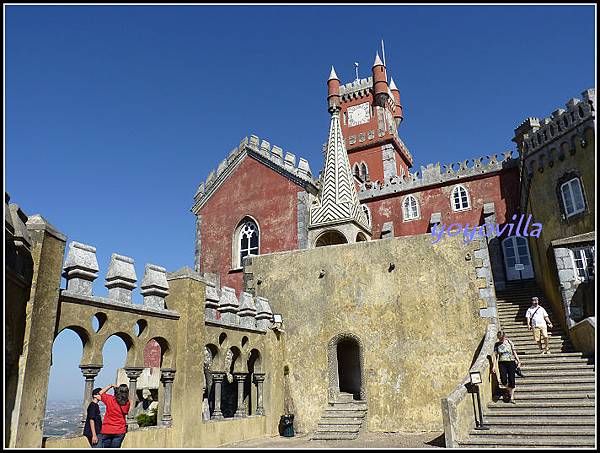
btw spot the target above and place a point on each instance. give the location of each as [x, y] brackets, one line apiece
[146, 420]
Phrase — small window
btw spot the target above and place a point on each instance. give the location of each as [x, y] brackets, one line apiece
[584, 258]
[459, 199]
[367, 213]
[356, 171]
[410, 208]
[364, 171]
[345, 118]
[246, 241]
[572, 197]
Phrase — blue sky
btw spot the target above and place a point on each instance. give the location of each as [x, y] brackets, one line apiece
[115, 114]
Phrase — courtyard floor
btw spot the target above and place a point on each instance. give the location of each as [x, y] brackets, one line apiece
[365, 440]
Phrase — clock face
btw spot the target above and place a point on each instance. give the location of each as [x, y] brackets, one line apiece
[359, 114]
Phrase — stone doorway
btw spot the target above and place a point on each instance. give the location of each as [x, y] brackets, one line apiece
[346, 368]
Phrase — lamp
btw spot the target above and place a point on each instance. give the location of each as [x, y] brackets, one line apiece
[475, 377]
[277, 323]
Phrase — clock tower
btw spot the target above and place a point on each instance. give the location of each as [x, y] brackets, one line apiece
[370, 113]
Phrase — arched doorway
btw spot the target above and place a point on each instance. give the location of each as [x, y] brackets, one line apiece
[346, 368]
[517, 259]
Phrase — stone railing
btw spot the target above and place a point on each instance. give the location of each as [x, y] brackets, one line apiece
[81, 269]
[542, 132]
[458, 408]
[435, 174]
[222, 307]
[271, 155]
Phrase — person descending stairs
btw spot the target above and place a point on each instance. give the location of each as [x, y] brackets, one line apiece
[555, 400]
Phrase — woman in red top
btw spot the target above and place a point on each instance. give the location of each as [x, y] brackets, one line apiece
[114, 425]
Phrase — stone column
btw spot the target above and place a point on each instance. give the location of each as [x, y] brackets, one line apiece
[89, 372]
[240, 378]
[259, 378]
[167, 376]
[218, 378]
[133, 373]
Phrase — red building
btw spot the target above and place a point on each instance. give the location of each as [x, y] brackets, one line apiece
[258, 199]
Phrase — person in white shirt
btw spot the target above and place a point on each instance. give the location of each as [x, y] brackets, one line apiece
[538, 320]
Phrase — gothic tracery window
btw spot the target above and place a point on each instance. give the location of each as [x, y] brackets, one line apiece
[247, 240]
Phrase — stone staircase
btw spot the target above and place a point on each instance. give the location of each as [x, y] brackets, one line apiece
[342, 420]
[556, 398]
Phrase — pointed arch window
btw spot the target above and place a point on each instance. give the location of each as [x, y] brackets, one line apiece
[410, 208]
[246, 241]
[364, 171]
[356, 171]
[459, 199]
[367, 212]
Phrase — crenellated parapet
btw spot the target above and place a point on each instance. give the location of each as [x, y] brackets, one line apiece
[544, 142]
[361, 88]
[81, 268]
[435, 174]
[563, 126]
[223, 308]
[273, 156]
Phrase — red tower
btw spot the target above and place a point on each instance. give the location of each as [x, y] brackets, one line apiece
[370, 115]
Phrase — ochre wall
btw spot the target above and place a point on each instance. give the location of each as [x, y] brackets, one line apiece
[545, 208]
[409, 320]
[255, 190]
[501, 188]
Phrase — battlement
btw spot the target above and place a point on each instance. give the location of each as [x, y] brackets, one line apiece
[81, 269]
[271, 155]
[533, 133]
[360, 88]
[223, 308]
[434, 174]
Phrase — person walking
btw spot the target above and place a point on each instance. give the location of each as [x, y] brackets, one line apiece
[507, 361]
[93, 421]
[117, 408]
[538, 321]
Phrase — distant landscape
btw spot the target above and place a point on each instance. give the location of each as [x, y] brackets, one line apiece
[63, 418]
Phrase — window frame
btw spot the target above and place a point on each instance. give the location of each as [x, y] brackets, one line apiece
[237, 241]
[570, 184]
[456, 189]
[417, 216]
[579, 253]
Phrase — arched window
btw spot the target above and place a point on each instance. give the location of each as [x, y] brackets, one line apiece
[364, 171]
[356, 171]
[572, 197]
[410, 208]
[459, 199]
[246, 241]
[367, 213]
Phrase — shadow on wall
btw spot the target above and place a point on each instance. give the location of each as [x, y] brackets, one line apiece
[583, 302]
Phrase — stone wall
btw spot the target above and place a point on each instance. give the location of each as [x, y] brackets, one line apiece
[406, 299]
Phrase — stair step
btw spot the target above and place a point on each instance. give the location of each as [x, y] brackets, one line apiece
[534, 430]
[559, 412]
[334, 421]
[543, 404]
[333, 436]
[561, 356]
[502, 420]
[552, 372]
[558, 365]
[528, 380]
[338, 428]
[568, 395]
[523, 387]
[343, 414]
[537, 441]
[347, 407]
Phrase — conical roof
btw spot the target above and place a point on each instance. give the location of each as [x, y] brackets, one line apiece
[333, 75]
[378, 61]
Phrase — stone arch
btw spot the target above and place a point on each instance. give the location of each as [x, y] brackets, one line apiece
[130, 345]
[332, 364]
[330, 237]
[166, 353]
[87, 342]
[236, 260]
[361, 237]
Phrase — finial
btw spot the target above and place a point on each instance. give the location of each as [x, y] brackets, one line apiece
[393, 85]
[378, 61]
[333, 75]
